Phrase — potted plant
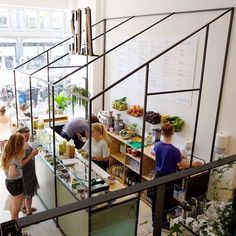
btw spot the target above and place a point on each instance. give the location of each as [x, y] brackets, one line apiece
[62, 102]
[76, 99]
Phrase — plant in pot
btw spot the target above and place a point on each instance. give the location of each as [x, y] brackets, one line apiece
[62, 102]
[76, 90]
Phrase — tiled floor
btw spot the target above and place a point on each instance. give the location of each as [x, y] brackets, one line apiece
[44, 228]
[49, 228]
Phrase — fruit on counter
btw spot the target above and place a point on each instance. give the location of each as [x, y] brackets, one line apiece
[135, 110]
[177, 122]
[153, 117]
[120, 104]
[164, 117]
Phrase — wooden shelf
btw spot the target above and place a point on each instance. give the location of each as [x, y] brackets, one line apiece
[119, 157]
[147, 177]
[133, 157]
[131, 168]
[119, 179]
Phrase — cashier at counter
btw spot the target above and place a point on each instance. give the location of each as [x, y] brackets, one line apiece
[100, 142]
[78, 130]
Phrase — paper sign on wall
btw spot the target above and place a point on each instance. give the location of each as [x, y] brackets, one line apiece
[172, 71]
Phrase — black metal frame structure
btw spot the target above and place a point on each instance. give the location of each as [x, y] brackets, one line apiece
[92, 201]
[14, 227]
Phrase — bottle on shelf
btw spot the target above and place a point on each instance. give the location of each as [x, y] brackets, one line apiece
[40, 124]
[35, 123]
[119, 124]
[110, 121]
[72, 149]
[61, 148]
[64, 145]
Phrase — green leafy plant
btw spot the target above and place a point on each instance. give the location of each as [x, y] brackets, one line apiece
[177, 122]
[176, 230]
[76, 99]
[62, 100]
[217, 175]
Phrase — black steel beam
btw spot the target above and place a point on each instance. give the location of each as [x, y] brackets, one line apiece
[166, 13]
[174, 91]
[42, 53]
[80, 205]
[157, 56]
[222, 81]
[113, 27]
[118, 45]
[200, 92]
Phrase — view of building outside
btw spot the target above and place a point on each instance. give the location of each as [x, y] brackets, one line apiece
[24, 33]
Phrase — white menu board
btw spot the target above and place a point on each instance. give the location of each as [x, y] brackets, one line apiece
[172, 71]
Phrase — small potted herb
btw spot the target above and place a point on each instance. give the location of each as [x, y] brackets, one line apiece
[62, 102]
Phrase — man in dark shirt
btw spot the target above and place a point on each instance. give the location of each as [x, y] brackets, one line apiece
[168, 159]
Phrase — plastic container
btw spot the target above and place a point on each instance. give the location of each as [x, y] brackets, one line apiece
[64, 145]
[35, 123]
[72, 149]
[61, 148]
[122, 148]
[41, 124]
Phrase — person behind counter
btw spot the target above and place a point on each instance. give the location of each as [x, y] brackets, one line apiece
[12, 164]
[78, 130]
[30, 181]
[100, 142]
[168, 160]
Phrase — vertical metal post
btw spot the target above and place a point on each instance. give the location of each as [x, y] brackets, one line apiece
[104, 63]
[160, 199]
[86, 86]
[143, 140]
[200, 92]
[144, 120]
[90, 164]
[222, 81]
[31, 107]
[54, 146]
[49, 99]
[17, 113]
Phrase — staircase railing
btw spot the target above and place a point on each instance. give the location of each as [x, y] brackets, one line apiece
[14, 227]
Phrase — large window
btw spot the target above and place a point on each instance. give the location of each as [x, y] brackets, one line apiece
[32, 19]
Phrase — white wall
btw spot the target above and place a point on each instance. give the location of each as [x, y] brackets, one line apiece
[113, 8]
[227, 112]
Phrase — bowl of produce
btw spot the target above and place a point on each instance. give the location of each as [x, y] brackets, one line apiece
[153, 117]
[120, 104]
[135, 110]
[111, 179]
[177, 122]
[126, 134]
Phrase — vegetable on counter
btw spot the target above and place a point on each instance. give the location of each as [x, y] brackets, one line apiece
[177, 122]
[120, 104]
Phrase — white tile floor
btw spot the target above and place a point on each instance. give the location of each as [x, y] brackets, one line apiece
[44, 228]
[49, 228]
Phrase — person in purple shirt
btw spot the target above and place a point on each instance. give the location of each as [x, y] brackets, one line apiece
[168, 160]
[78, 130]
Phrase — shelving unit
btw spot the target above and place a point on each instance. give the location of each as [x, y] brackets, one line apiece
[124, 159]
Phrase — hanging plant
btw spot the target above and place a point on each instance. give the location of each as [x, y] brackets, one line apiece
[80, 91]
